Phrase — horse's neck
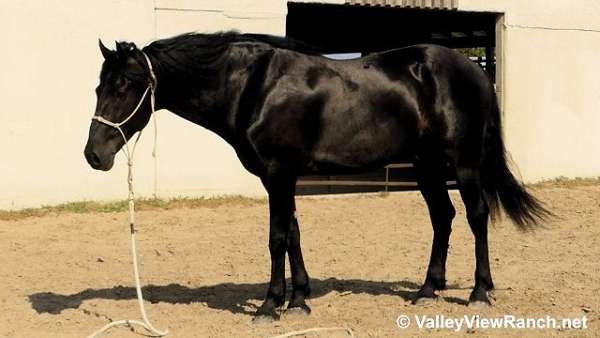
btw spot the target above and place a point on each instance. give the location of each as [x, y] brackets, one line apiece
[213, 105]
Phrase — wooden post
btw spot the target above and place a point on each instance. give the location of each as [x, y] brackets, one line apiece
[489, 62]
[387, 177]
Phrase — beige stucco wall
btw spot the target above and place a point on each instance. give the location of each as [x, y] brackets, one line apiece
[551, 87]
[50, 65]
[551, 94]
[47, 99]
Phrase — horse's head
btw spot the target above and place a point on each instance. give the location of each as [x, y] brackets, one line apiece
[124, 79]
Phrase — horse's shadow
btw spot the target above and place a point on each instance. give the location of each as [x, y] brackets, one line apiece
[227, 296]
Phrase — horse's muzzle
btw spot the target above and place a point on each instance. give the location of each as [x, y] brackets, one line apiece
[99, 162]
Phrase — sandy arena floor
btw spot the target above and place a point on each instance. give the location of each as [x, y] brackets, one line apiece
[67, 275]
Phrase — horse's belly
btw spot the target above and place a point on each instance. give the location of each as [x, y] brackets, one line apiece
[366, 147]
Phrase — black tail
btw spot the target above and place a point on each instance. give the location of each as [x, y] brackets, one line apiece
[500, 185]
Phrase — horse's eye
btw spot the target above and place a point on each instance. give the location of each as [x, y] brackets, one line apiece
[121, 84]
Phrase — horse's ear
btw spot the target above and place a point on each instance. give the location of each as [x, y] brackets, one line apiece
[106, 53]
[120, 49]
[125, 49]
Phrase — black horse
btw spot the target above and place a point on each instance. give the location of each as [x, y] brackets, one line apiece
[288, 111]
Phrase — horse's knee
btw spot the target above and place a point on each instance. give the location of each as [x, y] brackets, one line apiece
[442, 217]
[293, 236]
[449, 213]
[277, 243]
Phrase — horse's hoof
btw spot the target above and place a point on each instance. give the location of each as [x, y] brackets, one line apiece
[298, 311]
[265, 315]
[264, 320]
[479, 305]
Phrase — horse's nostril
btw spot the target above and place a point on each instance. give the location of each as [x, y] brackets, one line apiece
[93, 159]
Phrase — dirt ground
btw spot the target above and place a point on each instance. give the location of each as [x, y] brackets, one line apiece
[66, 275]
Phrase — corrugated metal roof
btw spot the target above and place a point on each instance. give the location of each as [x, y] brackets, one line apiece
[424, 4]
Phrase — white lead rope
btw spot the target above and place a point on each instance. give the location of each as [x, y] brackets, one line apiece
[131, 201]
[316, 329]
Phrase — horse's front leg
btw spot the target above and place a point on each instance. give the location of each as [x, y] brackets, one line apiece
[300, 281]
[281, 187]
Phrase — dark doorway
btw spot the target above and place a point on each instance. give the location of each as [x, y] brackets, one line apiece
[366, 29]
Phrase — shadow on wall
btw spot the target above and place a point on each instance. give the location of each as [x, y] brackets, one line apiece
[227, 296]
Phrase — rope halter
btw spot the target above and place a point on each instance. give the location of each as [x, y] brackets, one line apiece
[145, 323]
[150, 88]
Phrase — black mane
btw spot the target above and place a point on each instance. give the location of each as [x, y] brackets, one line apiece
[284, 43]
[200, 55]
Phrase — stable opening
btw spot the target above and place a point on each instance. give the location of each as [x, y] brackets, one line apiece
[357, 29]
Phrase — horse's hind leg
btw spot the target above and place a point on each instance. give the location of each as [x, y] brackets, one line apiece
[433, 188]
[300, 281]
[469, 183]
